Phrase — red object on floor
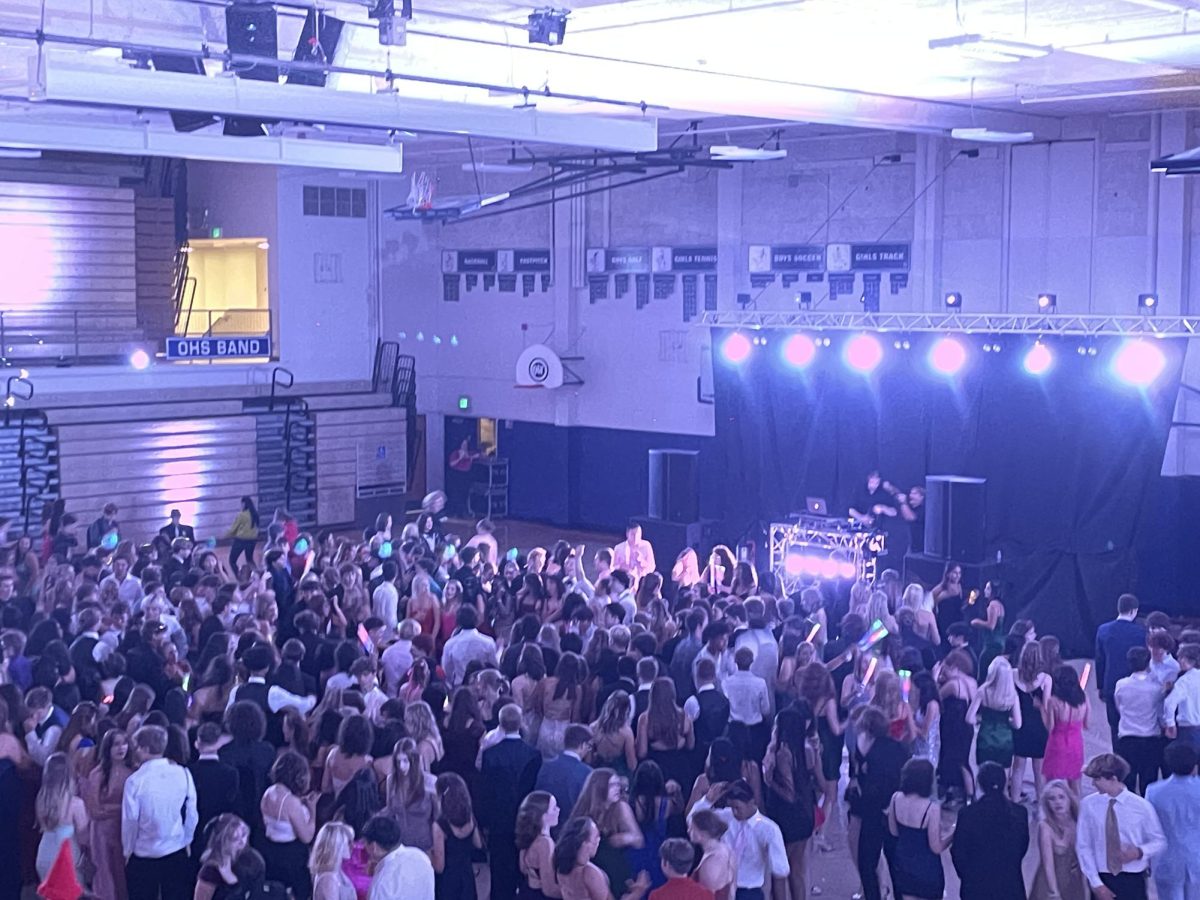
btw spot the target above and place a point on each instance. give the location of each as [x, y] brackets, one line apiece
[61, 883]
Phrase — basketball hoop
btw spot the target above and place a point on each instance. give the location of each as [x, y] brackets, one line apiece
[420, 194]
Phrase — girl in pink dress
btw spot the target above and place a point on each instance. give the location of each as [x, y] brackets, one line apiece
[1066, 716]
[102, 789]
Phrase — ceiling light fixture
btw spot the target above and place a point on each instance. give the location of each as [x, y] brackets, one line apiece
[988, 136]
[745, 154]
[991, 49]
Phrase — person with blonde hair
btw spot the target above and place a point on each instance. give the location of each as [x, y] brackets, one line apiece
[330, 849]
[228, 836]
[1058, 875]
[924, 621]
[61, 815]
[997, 710]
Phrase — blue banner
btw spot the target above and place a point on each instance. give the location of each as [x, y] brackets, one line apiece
[228, 347]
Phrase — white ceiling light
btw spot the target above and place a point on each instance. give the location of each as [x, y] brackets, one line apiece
[991, 49]
[988, 136]
[510, 168]
[745, 154]
[19, 153]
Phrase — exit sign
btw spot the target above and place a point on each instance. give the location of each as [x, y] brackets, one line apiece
[215, 233]
[464, 403]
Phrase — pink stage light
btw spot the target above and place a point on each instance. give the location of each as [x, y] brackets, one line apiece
[864, 353]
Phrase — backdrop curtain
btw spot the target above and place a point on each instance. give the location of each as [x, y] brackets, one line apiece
[1070, 458]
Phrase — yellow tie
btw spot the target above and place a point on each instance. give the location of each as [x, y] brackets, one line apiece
[1112, 839]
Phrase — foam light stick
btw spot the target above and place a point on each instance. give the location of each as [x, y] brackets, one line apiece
[1087, 672]
[364, 638]
[877, 633]
[812, 632]
[870, 670]
[905, 683]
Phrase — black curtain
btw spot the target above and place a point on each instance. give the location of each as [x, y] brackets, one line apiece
[1069, 457]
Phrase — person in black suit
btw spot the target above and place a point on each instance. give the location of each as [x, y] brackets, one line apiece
[252, 757]
[1113, 642]
[177, 530]
[563, 776]
[216, 783]
[990, 841]
[509, 772]
[877, 777]
[87, 671]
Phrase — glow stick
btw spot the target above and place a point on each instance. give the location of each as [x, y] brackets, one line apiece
[364, 638]
[877, 633]
[1087, 671]
[905, 683]
[812, 632]
[870, 670]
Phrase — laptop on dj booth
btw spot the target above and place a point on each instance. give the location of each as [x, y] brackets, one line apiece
[816, 506]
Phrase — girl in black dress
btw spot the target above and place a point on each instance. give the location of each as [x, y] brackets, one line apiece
[1029, 741]
[227, 837]
[455, 840]
[537, 815]
[792, 778]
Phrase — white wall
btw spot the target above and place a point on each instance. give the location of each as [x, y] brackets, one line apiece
[1083, 218]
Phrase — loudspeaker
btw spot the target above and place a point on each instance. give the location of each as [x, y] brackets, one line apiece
[669, 539]
[955, 518]
[673, 485]
[250, 30]
[170, 62]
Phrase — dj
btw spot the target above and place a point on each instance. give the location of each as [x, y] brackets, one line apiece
[873, 502]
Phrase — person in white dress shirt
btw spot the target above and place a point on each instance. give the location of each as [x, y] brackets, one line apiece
[466, 645]
[1139, 700]
[757, 844]
[385, 599]
[158, 821]
[1181, 709]
[1118, 833]
[634, 554]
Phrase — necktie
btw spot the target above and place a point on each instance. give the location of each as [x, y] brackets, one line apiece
[1112, 839]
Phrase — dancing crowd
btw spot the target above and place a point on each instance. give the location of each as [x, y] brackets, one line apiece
[417, 714]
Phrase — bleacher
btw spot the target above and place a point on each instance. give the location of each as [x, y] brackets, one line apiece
[315, 449]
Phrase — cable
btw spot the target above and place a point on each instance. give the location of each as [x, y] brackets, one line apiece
[924, 190]
[846, 200]
[474, 168]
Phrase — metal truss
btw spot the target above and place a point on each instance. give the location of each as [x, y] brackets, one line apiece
[982, 323]
[822, 536]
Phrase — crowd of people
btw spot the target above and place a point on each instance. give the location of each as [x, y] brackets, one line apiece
[415, 714]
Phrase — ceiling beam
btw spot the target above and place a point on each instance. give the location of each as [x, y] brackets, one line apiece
[62, 78]
[18, 129]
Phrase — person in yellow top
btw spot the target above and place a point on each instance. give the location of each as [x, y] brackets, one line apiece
[244, 532]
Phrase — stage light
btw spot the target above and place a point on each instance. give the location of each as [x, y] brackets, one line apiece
[139, 359]
[793, 563]
[845, 570]
[1139, 363]
[1038, 360]
[1047, 302]
[799, 350]
[736, 348]
[1147, 304]
[953, 300]
[864, 353]
[948, 356]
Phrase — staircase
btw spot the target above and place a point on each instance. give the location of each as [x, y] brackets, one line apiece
[287, 452]
[29, 474]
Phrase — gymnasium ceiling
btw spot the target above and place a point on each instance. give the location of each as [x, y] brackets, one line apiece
[814, 65]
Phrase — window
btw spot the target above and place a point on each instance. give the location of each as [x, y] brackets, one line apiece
[335, 202]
